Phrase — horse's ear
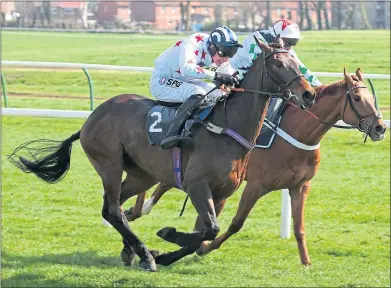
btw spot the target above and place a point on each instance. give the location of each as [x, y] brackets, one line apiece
[261, 45]
[279, 42]
[359, 75]
[348, 78]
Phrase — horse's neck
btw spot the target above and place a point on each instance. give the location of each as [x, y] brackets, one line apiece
[304, 127]
[246, 111]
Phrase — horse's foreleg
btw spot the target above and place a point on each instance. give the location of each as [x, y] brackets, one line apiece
[298, 197]
[199, 226]
[201, 197]
[252, 192]
[182, 239]
[219, 206]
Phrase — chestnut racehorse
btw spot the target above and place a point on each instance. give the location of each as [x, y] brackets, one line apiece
[284, 166]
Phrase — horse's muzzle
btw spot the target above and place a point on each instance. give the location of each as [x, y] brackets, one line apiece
[308, 100]
[377, 133]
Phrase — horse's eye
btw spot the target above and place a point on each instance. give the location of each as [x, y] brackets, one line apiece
[356, 97]
[279, 64]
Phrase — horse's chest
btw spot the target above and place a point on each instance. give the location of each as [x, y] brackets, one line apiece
[304, 168]
[232, 180]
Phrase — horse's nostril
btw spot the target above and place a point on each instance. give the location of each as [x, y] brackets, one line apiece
[380, 128]
[307, 96]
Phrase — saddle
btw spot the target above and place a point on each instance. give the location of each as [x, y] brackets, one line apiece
[160, 116]
[274, 114]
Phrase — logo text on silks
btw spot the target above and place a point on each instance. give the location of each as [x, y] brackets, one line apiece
[173, 83]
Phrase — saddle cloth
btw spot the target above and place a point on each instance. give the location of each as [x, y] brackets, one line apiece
[274, 114]
[160, 116]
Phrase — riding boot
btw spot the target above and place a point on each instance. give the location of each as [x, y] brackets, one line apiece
[185, 110]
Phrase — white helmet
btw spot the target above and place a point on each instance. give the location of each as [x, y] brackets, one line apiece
[286, 28]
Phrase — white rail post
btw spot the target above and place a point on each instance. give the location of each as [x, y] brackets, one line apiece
[286, 215]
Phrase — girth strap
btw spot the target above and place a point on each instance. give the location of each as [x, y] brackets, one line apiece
[219, 130]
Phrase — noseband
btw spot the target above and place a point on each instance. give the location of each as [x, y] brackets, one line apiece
[361, 119]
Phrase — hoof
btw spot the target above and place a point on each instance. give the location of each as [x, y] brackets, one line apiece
[163, 259]
[127, 257]
[148, 265]
[130, 216]
[200, 252]
[154, 253]
[166, 233]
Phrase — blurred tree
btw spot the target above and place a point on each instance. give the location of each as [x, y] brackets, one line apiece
[185, 13]
[318, 6]
[301, 15]
[339, 15]
[246, 12]
[47, 12]
[218, 15]
[350, 19]
[326, 16]
[307, 16]
[39, 13]
[364, 17]
[289, 14]
[268, 20]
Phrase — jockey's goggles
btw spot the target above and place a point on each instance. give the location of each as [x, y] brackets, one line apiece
[227, 51]
[289, 42]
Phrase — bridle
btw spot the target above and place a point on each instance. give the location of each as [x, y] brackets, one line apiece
[286, 93]
[362, 123]
[280, 84]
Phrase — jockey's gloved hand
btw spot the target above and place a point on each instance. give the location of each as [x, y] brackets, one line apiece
[226, 79]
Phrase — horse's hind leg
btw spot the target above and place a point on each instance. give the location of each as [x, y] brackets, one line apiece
[108, 162]
[136, 182]
[299, 195]
[141, 207]
[252, 192]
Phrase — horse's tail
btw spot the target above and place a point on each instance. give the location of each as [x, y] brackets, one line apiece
[48, 159]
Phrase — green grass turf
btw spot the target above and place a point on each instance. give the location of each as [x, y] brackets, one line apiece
[52, 234]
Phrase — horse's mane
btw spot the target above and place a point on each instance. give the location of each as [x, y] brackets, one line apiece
[333, 88]
[276, 45]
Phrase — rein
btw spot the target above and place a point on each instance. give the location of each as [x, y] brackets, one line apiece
[285, 95]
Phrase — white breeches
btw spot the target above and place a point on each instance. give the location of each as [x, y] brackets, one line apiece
[173, 90]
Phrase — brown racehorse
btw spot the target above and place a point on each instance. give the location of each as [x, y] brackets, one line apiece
[115, 139]
[348, 100]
